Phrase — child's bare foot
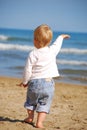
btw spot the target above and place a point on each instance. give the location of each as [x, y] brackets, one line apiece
[40, 119]
[29, 122]
[39, 125]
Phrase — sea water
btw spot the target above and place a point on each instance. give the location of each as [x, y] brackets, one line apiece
[15, 45]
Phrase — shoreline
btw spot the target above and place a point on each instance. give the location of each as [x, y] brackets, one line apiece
[68, 110]
[58, 80]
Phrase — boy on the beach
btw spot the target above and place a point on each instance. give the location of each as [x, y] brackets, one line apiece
[38, 75]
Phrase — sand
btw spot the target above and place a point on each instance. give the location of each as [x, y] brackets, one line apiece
[68, 110]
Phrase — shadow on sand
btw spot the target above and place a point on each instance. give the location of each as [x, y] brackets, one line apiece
[2, 119]
[10, 120]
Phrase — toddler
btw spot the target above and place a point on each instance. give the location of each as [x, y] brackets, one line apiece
[38, 75]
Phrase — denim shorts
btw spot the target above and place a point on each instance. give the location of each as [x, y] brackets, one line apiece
[39, 95]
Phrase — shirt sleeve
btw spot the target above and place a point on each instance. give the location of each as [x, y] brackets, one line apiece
[28, 68]
[56, 46]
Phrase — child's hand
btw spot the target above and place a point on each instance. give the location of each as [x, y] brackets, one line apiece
[65, 36]
[22, 85]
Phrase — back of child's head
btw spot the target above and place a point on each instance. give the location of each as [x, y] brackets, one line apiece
[42, 36]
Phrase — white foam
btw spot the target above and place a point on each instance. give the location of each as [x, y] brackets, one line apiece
[72, 62]
[15, 47]
[74, 51]
[3, 37]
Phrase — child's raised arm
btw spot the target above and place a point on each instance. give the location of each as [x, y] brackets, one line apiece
[65, 36]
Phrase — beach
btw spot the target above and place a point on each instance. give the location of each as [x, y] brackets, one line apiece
[68, 110]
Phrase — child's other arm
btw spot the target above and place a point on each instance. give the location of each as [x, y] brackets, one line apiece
[22, 85]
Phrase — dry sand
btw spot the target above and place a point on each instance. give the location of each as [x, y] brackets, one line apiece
[68, 110]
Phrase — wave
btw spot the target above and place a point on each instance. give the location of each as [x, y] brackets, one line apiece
[8, 38]
[72, 62]
[74, 51]
[79, 72]
[15, 47]
[73, 79]
[28, 48]
[4, 46]
[3, 37]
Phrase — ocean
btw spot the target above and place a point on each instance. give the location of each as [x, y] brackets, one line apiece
[15, 44]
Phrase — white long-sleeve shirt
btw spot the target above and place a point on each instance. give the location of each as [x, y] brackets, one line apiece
[41, 63]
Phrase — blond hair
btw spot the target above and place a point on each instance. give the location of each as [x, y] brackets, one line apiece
[42, 36]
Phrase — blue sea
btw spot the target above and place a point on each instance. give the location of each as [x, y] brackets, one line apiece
[15, 45]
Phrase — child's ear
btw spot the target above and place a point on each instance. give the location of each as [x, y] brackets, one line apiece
[35, 41]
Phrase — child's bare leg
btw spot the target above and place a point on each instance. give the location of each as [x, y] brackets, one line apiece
[40, 119]
[30, 117]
